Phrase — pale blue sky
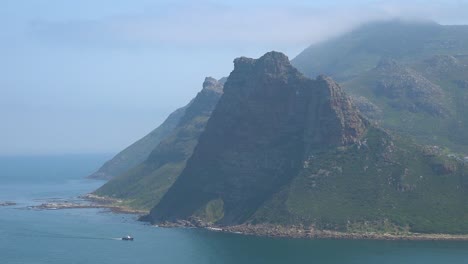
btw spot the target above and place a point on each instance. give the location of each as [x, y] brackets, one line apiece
[95, 75]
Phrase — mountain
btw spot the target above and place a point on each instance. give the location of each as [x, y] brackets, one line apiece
[362, 49]
[143, 185]
[140, 150]
[284, 149]
[408, 76]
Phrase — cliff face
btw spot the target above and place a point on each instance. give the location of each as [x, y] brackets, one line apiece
[268, 121]
[143, 185]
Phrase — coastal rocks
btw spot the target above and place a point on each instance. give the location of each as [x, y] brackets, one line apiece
[88, 201]
[279, 231]
[73, 205]
[65, 205]
[7, 203]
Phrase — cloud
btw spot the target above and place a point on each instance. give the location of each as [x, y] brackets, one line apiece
[211, 25]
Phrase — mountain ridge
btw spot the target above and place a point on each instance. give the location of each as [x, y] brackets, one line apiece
[142, 186]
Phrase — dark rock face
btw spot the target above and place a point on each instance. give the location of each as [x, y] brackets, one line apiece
[408, 90]
[333, 119]
[269, 119]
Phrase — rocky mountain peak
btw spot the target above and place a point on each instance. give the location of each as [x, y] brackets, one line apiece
[212, 84]
[205, 100]
[273, 63]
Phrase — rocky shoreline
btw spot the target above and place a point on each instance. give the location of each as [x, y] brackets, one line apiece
[274, 231]
[93, 201]
[277, 231]
[115, 205]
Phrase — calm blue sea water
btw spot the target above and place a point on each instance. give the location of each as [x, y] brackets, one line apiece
[88, 236]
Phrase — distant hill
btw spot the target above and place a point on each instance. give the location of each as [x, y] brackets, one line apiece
[144, 184]
[139, 151]
[285, 149]
[408, 76]
[349, 55]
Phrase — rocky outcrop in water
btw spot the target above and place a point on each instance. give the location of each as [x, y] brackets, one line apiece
[7, 203]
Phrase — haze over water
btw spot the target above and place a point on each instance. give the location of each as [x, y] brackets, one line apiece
[91, 235]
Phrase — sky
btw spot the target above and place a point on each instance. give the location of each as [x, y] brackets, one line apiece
[93, 76]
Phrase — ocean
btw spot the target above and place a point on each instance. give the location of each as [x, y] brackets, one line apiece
[92, 235]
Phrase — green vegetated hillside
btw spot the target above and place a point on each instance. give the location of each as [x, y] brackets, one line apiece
[410, 77]
[384, 184]
[136, 153]
[419, 100]
[143, 185]
[285, 149]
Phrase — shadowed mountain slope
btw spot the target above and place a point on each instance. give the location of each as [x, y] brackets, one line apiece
[143, 185]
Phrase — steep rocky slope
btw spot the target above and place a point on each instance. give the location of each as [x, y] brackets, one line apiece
[143, 185]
